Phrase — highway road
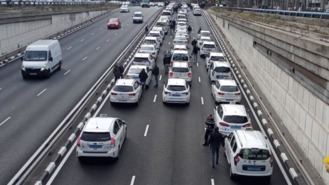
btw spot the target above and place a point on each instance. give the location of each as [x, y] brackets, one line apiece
[30, 110]
[164, 142]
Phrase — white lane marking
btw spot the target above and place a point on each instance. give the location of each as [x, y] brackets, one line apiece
[212, 181]
[155, 98]
[84, 58]
[199, 79]
[98, 47]
[132, 182]
[168, 43]
[67, 72]
[146, 130]
[0, 88]
[159, 79]
[202, 102]
[197, 64]
[108, 40]
[82, 40]
[68, 48]
[44, 90]
[4, 121]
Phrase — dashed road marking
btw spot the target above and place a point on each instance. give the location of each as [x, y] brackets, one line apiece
[0, 88]
[98, 47]
[82, 40]
[146, 130]
[84, 58]
[68, 48]
[132, 182]
[197, 64]
[155, 98]
[4, 121]
[202, 102]
[212, 181]
[108, 40]
[67, 72]
[199, 79]
[168, 43]
[160, 77]
[40, 93]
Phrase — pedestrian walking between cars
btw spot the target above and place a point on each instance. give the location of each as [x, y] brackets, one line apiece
[215, 140]
[210, 125]
[155, 73]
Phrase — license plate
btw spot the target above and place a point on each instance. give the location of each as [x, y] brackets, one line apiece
[176, 94]
[235, 127]
[95, 146]
[254, 168]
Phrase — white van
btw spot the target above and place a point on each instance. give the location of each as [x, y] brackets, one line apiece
[42, 58]
[248, 154]
[138, 17]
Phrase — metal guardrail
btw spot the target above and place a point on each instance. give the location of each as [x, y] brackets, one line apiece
[48, 3]
[319, 15]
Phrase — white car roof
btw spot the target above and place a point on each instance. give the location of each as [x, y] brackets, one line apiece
[137, 12]
[251, 139]
[180, 52]
[209, 42]
[155, 31]
[219, 54]
[204, 31]
[147, 45]
[221, 64]
[142, 55]
[179, 47]
[150, 38]
[227, 82]
[176, 81]
[99, 124]
[124, 81]
[180, 64]
[234, 109]
[137, 67]
[157, 28]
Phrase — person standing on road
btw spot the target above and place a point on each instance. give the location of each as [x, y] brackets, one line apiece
[146, 30]
[210, 123]
[215, 141]
[121, 70]
[142, 77]
[116, 72]
[155, 73]
[166, 61]
[195, 52]
[189, 29]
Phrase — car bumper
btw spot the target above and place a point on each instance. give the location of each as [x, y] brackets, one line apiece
[130, 100]
[178, 100]
[111, 153]
[113, 26]
[137, 21]
[35, 72]
[221, 99]
[253, 174]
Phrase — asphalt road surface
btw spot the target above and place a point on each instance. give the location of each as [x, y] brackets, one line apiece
[30, 110]
[170, 151]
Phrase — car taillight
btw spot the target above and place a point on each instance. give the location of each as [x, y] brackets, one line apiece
[132, 94]
[114, 94]
[189, 74]
[224, 124]
[238, 93]
[271, 161]
[78, 141]
[247, 125]
[171, 74]
[236, 159]
[220, 93]
[112, 142]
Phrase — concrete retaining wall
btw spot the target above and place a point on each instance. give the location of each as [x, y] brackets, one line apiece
[16, 35]
[302, 113]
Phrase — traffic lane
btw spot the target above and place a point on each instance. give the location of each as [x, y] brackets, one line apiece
[46, 122]
[277, 177]
[133, 154]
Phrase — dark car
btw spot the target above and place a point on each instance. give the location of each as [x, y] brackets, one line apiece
[114, 23]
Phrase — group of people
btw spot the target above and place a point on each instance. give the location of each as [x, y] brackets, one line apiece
[119, 69]
[213, 138]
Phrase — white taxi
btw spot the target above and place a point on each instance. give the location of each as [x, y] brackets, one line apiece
[181, 70]
[207, 47]
[176, 91]
[126, 91]
[226, 91]
[219, 70]
[134, 70]
[214, 56]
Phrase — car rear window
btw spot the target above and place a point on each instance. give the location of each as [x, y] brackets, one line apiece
[147, 48]
[134, 70]
[218, 58]
[137, 59]
[222, 69]
[123, 88]
[176, 88]
[180, 57]
[205, 34]
[254, 154]
[95, 136]
[180, 69]
[236, 119]
[149, 42]
[209, 46]
[229, 88]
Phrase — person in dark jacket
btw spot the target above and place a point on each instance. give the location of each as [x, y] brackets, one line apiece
[189, 29]
[195, 51]
[142, 77]
[121, 70]
[194, 42]
[210, 125]
[146, 30]
[155, 73]
[215, 141]
[166, 61]
[116, 72]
